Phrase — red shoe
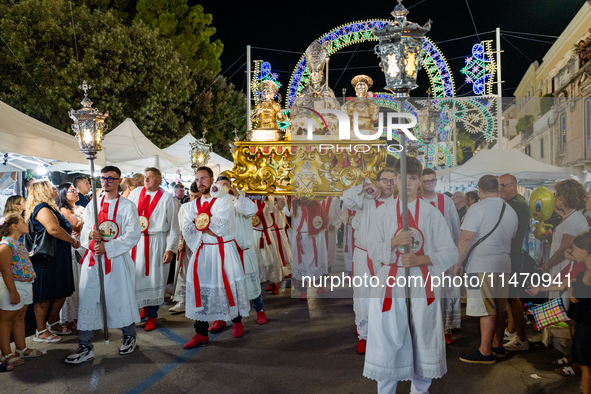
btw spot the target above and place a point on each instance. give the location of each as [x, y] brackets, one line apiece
[320, 290]
[303, 295]
[144, 313]
[197, 340]
[270, 287]
[151, 324]
[275, 288]
[238, 330]
[287, 276]
[261, 317]
[218, 326]
[448, 340]
[361, 346]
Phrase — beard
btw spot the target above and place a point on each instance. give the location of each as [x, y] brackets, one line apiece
[204, 189]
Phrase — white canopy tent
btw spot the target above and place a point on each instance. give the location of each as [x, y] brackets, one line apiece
[181, 150]
[503, 161]
[26, 143]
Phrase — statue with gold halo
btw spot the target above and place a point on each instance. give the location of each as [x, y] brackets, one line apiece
[367, 111]
[315, 97]
[266, 114]
[541, 206]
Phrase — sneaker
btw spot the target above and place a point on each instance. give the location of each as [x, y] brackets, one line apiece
[478, 358]
[508, 336]
[128, 345]
[84, 353]
[178, 308]
[499, 352]
[515, 345]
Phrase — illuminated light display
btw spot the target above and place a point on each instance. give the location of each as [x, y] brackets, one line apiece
[480, 68]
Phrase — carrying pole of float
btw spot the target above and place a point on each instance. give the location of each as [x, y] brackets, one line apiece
[248, 90]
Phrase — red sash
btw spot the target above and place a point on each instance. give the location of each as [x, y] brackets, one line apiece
[347, 225]
[326, 206]
[414, 223]
[440, 203]
[265, 230]
[220, 244]
[279, 242]
[102, 216]
[299, 238]
[146, 208]
[369, 262]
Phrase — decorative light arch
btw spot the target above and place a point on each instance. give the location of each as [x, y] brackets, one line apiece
[432, 60]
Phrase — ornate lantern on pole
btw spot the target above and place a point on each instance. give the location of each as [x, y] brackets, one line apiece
[89, 126]
[200, 151]
[399, 51]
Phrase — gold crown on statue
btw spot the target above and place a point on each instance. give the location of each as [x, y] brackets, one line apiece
[362, 78]
[269, 84]
[316, 56]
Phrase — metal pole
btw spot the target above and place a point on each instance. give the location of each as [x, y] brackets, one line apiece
[326, 84]
[499, 90]
[99, 258]
[248, 93]
[455, 162]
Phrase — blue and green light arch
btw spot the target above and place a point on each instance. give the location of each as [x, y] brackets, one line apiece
[432, 60]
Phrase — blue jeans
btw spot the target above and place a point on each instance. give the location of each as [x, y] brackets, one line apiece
[257, 303]
[85, 337]
[153, 311]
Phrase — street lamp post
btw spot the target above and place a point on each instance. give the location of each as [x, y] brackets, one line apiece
[400, 43]
[89, 126]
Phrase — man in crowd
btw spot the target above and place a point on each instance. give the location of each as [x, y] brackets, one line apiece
[139, 179]
[459, 199]
[118, 216]
[127, 186]
[154, 251]
[365, 200]
[472, 198]
[179, 193]
[450, 295]
[215, 277]
[83, 186]
[193, 192]
[394, 351]
[487, 298]
[508, 192]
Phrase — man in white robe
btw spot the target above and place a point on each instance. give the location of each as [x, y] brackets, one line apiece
[347, 218]
[183, 257]
[270, 264]
[279, 232]
[215, 278]
[450, 295]
[310, 262]
[244, 210]
[119, 219]
[365, 200]
[333, 210]
[394, 352]
[160, 238]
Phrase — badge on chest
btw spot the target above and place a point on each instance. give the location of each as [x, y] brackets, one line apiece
[202, 221]
[144, 223]
[109, 230]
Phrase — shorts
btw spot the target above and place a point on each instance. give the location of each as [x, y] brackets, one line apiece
[25, 291]
[487, 297]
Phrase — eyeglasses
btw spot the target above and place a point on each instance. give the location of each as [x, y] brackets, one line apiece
[386, 181]
[431, 181]
[72, 191]
[503, 185]
[109, 179]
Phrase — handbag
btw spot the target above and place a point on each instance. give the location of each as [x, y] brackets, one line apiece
[40, 244]
[481, 240]
[549, 313]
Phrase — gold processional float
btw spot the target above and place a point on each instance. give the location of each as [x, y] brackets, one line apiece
[311, 158]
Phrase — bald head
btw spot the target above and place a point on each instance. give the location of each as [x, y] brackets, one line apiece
[459, 199]
[507, 186]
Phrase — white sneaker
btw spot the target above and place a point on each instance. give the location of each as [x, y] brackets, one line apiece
[515, 345]
[508, 336]
[127, 345]
[84, 353]
[178, 308]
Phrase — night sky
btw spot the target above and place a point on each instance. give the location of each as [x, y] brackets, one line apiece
[292, 26]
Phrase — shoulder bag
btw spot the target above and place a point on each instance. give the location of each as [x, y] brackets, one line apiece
[481, 240]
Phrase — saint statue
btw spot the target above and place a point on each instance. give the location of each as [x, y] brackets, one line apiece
[367, 111]
[267, 113]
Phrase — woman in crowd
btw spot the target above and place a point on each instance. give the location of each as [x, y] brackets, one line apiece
[66, 199]
[16, 290]
[15, 204]
[55, 279]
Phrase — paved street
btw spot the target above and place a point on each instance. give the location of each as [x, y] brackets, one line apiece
[306, 347]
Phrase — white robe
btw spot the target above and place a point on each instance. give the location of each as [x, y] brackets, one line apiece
[450, 295]
[181, 282]
[334, 219]
[365, 218]
[308, 266]
[164, 236]
[270, 264]
[391, 353]
[278, 232]
[214, 300]
[349, 236]
[119, 283]
[245, 209]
